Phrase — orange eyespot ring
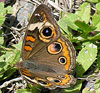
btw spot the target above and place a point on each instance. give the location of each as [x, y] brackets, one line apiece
[62, 60]
[46, 32]
[55, 48]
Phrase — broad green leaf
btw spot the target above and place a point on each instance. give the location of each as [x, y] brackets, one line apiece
[74, 89]
[97, 90]
[3, 12]
[0, 91]
[1, 32]
[16, 57]
[93, 1]
[1, 40]
[68, 20]
[97, 84]
[84, 12]
[23, 91]
[2, 18]
[96, 37]
[96, 19]
[2, 64]
[86, 28]
[7, 61]
[85, 90]
[34, 89]
[98, 60]
[8, 73]
[18, 46]
[98, 8]
[85, 58]
[66, 29]
[97, 26]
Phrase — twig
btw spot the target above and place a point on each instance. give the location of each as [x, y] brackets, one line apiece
[54, 5]
[5, 84]
[91, 77]
[35, 1]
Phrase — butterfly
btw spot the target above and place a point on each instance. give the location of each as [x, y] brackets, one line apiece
[48, 58]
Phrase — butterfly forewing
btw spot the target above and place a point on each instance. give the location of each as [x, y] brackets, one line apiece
[34, 40]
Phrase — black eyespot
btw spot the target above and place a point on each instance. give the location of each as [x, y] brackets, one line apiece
[62, 60]
[54, 48]
[47, 32]
[56, 80]
[42, 82]
[57, 47]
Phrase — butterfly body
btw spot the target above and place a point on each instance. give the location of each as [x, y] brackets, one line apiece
[48, 58]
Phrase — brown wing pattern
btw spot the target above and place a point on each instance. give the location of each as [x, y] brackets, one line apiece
[48, 57]
[42, 19]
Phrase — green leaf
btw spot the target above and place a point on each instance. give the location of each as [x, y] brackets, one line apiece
[2, 64]
[85, 90]
[97, 90]
[85, 58]
[97, 27]
[3, 12]
[98, 8]
[7, 61]
[18, 46]
[16, 57]
[1, 40]
[8, 73]
[93, 1]
[98, 60]
[34, 89]
[0, 91]
[96, 37]
[96, 19]
[74, 89]
[68, 20]
[86, 28]
[84, 12]
[23, 91]
[66, 29]
[97, 85]
[2, 18]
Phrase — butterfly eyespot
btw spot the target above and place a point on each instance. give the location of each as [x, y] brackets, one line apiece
[42, 82]
[57, 81]
[54, 48]
[63, 77]
[62, 60]
[47, 32]
[53, 79]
